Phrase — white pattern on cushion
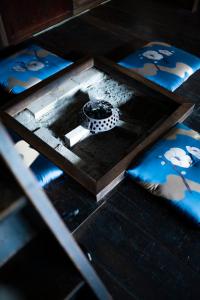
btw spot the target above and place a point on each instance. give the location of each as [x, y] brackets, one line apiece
[194, 151]
[178, 157]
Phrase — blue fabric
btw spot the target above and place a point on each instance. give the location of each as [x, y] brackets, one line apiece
[45, 171]
[163, 64]
[28, 67]
[171, 169]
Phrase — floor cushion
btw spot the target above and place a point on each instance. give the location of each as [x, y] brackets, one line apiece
[28, 67]
[163, 64]
[171, 169]
[44, 170]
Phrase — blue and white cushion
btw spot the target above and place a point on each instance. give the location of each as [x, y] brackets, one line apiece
[163, 64]
[28, 67]
[44, 170]
[171, 169]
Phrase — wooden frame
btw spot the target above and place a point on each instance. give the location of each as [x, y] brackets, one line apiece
[108, 181]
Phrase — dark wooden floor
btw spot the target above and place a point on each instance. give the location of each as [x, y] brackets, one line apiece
[139, 245]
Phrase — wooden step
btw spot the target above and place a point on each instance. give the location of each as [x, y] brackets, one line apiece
[15, 228]
[41, 270]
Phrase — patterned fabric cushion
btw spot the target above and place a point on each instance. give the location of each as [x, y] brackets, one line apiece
[28, 67]
[171, 169]
[44, 170]
[163, 64]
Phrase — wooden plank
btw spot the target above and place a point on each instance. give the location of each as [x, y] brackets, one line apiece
[76, 135]
[40, 107]
[130, 255]
[110, 186]
[150, 24]
[107, 25]
[160, 220]
[70, 156]
[72, 201]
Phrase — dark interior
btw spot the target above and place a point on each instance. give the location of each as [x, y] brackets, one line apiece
[140, 247]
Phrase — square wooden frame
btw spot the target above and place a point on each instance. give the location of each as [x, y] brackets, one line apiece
[107, 182]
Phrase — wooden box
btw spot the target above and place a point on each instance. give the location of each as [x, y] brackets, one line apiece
[45, 113]
[19, 20]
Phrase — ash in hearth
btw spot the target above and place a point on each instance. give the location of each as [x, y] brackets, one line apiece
[112, 91]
